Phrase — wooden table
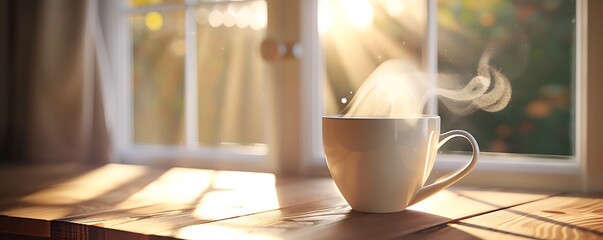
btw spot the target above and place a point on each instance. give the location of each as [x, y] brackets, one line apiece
[136, 202]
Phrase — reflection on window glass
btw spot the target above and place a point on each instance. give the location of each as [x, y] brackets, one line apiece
[231, 72]
[534, 47]
[158, 50]
[357, 36]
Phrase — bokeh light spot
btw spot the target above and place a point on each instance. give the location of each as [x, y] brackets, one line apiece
[215, 18]
[504, 130]
[487, 19]
[153, 21]
[538, 109]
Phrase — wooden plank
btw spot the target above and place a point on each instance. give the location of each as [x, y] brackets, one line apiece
[17, 181]
[333, 218]
[20, 180]
[558, 217]
[92, 191]
[481, 199]
[25, 226]
[118, 198]
[7, 236]
[463, 232]
[222, 204]
[34, 196]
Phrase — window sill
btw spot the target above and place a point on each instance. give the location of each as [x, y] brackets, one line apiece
[525, 172]
[118, 201]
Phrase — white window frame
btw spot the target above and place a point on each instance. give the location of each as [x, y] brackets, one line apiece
[297, 152]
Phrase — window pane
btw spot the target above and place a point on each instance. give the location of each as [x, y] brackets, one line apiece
[533, 44]
[357, 36]
[158, 77]
[231, 72]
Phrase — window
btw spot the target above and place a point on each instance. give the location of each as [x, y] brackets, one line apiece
[282, 131]
[535, 141]
[192, 83]
[538, 61]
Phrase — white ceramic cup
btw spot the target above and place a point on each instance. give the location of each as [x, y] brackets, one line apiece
[381, 165]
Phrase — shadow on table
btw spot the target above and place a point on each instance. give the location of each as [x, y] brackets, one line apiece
[408, 223]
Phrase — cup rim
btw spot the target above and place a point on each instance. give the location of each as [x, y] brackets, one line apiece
[421, 116]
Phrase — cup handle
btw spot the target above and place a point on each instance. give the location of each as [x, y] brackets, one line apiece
[435, 187]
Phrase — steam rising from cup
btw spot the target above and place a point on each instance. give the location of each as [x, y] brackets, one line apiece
[398, 88]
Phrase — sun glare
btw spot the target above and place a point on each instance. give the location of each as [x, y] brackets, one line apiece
[237, 193]
[325, 16]
[359, 13]
[395, 8]
[176, 186]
